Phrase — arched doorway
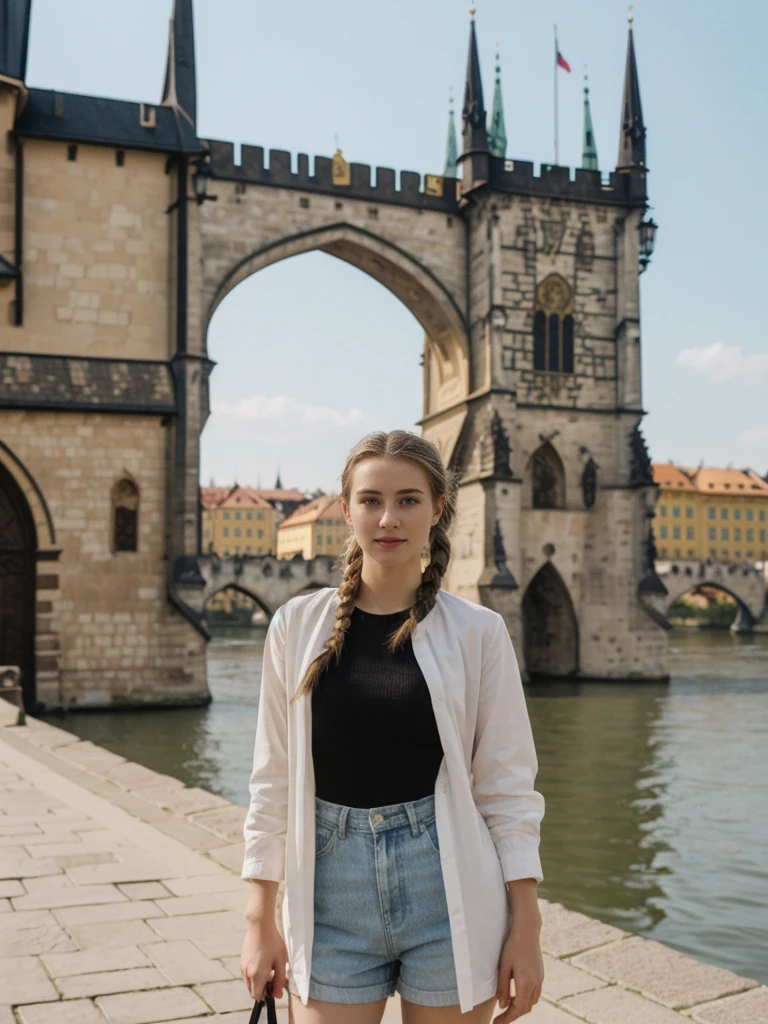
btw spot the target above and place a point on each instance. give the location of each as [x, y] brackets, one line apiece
[550, 633]
[18, 547]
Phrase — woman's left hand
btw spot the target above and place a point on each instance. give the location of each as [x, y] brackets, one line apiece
[522, 962]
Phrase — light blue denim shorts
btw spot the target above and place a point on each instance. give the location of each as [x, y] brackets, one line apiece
[381, 917]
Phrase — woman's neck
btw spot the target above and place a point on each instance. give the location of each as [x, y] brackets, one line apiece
[383, 590]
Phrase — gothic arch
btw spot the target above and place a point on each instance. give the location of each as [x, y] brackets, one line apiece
[410, 281]
[125, 514]
[18, 558]
[550, 629]
[547, 478]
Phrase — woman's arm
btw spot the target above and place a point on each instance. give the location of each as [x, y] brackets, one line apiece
[265, 824]
[504, 763]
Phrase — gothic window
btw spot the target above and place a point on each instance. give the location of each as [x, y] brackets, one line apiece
[553, 326]
[125, 516]
[547, 478]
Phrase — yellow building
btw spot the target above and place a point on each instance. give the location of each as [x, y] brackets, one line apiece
[238, 521]
[317, 528]
[711, 513]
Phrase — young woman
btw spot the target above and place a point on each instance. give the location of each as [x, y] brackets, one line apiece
[392, 783]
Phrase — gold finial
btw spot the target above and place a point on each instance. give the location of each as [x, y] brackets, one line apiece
[630, 19]
[472, 12]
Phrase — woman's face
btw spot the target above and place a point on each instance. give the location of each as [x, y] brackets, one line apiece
[390, 499]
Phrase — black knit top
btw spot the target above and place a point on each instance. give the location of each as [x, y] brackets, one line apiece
[374, 735]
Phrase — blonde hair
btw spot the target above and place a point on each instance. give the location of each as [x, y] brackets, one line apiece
[397, 444]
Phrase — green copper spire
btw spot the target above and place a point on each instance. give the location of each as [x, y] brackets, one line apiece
[451, 149]
[497, 139]
[589, 149]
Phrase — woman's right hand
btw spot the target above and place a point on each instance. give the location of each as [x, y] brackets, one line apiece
[264, 950]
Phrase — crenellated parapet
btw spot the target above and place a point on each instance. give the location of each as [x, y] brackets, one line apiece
[437, 193]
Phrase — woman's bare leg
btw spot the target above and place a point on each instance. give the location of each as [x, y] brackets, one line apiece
[318, 1011]
[415, 1014]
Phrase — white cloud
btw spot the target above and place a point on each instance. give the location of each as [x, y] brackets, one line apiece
[279, 412]
[724, 362]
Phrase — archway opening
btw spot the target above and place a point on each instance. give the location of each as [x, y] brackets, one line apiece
[18, 547]
[707, 606]
[550, 631]
[547, 478]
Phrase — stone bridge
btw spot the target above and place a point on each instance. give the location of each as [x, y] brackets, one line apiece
[268, 580]
[745, 583]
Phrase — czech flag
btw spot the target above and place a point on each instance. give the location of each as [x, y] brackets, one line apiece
[562, 62]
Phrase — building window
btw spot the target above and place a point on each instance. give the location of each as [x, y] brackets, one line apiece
[676, 511]
[762, 515]
[737, 513]
[226, 515]
[237, 514]
[662, 510]
[249, 515]
[225, 531]
[737, 533]
[663, 532]
[762, 535]
[237, 531]
[329, 540]
[724, 553]
[724, 533]
[319, 538]
[712, 513]
[750, 514]
[677, 552]
[688, 512]
[723, 513]
[259, 533]
[713, 533]
[120, 158]
[547, 478]
[71, 152]
[553, 326]
[689, 533]
[713, 552]
[259, 515]
[750, 535]
[125, 516]
[737, 554]
[676, 532]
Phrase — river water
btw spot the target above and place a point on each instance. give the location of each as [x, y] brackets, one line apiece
[656, 795]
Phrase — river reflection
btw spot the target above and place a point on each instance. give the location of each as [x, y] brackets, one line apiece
[656, 795]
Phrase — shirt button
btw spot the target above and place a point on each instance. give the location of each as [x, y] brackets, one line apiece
[378, 818]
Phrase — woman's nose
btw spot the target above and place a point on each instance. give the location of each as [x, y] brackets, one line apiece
[388, 517]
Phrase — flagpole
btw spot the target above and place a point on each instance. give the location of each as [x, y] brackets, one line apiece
[556, 124]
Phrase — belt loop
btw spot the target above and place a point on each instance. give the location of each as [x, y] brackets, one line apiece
[414, 821]
[343, 822]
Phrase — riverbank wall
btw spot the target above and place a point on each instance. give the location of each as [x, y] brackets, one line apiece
[121, 901]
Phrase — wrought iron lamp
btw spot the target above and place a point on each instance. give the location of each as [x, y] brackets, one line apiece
[200, 179]
[647, 229]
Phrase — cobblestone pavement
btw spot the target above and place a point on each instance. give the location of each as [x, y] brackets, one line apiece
[121, 901]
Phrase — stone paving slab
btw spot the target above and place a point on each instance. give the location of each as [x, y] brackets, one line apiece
[749, 1008]
[660, 973]
[153, 934]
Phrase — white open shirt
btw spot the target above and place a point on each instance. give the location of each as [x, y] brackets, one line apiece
[488, 813]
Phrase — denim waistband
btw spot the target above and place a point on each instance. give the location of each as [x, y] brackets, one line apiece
[376, 819]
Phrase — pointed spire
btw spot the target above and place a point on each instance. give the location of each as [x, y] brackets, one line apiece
[14, 37]
[451, 148]
[278, 482]
[589, 147]
[475, 155]
[498, 134]
[180, 89]
[632, 139]
[473, 112]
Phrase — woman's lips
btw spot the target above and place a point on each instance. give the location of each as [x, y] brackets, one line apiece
[390, 543]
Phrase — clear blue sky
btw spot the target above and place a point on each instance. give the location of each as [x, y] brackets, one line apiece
[312, 354]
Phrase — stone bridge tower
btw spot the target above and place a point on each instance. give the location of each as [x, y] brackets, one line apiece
[112, 263]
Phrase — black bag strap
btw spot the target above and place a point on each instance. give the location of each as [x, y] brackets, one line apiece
[267, 1001]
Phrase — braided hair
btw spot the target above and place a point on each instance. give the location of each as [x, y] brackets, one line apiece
[398, 444]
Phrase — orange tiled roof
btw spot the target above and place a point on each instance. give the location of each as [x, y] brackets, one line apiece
[710, 480]
[324, 507]
[244, 497]
[668, 476]
[211, 496]
[280, 494]
[741, 482]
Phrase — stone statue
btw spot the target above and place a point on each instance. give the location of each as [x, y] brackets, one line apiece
[589, 482]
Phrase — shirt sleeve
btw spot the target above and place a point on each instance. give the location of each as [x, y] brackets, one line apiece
[265, 823]
[504, 763]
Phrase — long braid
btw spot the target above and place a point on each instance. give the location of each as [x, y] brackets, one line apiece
[348, 588]
[395, 444]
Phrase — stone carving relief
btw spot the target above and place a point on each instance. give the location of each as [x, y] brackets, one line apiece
[589, 482]
[553, 232]
[585, 249]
